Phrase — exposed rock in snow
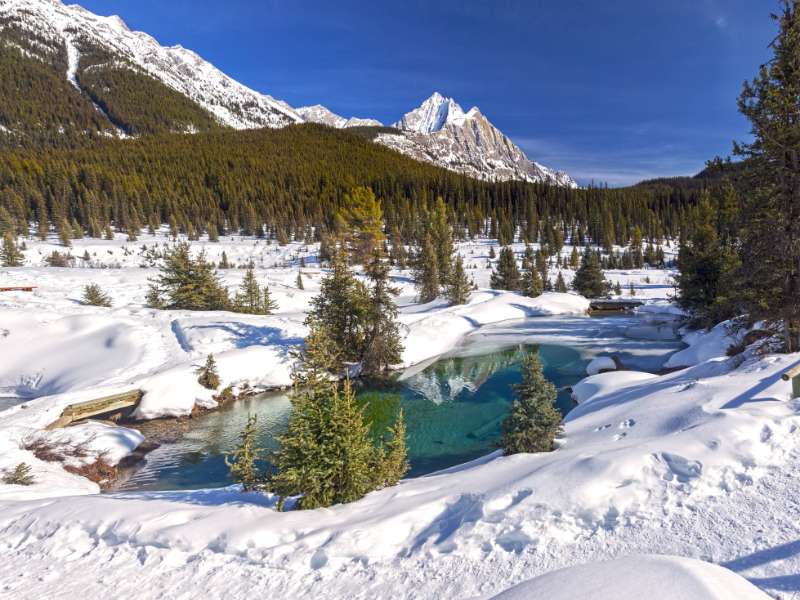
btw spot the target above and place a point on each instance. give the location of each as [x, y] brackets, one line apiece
[440, 132]
[635, 577]
[232, 103]
[322, 115]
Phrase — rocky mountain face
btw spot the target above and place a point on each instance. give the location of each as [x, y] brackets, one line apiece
[440, 132]
[118, 82]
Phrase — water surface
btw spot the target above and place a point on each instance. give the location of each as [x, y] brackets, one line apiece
[454, 406]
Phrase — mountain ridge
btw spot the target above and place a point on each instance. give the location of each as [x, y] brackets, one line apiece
[137, 86]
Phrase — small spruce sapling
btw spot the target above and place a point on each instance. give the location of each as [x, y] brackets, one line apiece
[93, 295]
[19, 475]
[208, 376]
[242, 461]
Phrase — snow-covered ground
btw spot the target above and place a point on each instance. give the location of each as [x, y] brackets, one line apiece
[699, 463]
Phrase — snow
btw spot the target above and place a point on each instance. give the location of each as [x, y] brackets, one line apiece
[698, 462]
[601, 363]
[704, 345]
[634, 577]
[322, 115]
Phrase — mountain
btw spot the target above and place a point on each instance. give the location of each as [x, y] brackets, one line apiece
[439, 131]
[112, 66]
[68, 75]
[323, 116]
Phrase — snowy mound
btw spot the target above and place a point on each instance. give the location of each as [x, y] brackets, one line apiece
[636, 577]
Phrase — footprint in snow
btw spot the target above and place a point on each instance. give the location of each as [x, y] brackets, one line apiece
[627, 423]
[602, 427]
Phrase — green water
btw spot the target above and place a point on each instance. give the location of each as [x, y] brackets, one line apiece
[453, 407]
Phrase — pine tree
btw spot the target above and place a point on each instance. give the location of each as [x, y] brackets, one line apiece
[242, 463]
[631, 289]
[93, 295]
[532, 285]
[561, 285]
[382, 344]
[533, 421]
[442, 238]
[223, 263]
[10, 256]
[19, 475]
[300, 285]
[771, 233]
[326, 456]
[426, 272]
[341, 308]
[207, 375]
[187, 283]
[459, 287]
[700, 265]
[252, 298]
[506, 276]
[393, 461]
[589, 280]
[362, 222]
[618, 288]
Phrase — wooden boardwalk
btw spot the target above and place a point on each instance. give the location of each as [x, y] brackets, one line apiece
[605, 305]
[107, 405]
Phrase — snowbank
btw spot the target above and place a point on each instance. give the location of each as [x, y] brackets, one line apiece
[430, 333]
[636, 577]
[600, 363]
[704, 345]
[606, 383]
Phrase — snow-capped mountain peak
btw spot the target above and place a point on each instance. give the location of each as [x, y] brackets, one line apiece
[432, 115]
[320, 114]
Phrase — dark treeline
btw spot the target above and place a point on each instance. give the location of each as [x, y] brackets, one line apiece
[288, 182]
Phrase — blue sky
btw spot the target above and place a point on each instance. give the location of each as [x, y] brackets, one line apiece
[609, 90]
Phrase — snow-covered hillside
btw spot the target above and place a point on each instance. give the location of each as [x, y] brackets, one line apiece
[699, 463]
[52, 24]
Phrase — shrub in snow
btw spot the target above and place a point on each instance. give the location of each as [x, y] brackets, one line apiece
[19, 475]
[208, 376]
[94, 296]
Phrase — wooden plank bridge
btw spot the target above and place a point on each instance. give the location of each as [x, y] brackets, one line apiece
[606, 305]
[108, 405]
[24, 288]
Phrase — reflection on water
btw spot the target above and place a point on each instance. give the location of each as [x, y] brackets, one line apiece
[453, 407]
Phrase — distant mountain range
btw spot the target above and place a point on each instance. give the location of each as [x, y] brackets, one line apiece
[77, 73]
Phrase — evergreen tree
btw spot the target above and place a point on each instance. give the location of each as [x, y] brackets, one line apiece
[506, 276]
[223, 263]
[19, 475]
[700, 265]
[392, 463]
[770, 273]
[252, 298]
[326, 456]
[341, 308]
[459, 287]
[187, 283]
[382, 344]
[207, 375]
[300, 285]
[426, 272]
[10, 256]
[561, 285]
[93, 295]
[631, 289]
[442, 238]
[362, 222]
[618, 288]
[242, 463]
[589, 280]
[532, 285]
[533, 421]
